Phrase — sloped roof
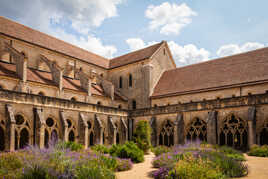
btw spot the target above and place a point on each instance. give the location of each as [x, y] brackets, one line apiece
[30, 35]
[135, 56]
[233, 70]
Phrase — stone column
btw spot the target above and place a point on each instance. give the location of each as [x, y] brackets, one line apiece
[130, 128]
[64, 126]
[212, 127]
[180, 135]
[98, 129]
[40, 124]
[83, 132]
[10, 128]
[251, 126]
[154, 131]
[124, 126]
[112, 129]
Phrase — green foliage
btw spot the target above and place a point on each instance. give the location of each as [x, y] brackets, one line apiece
[232, 153]
[9, 162]
[128, 150]
[73, 146]
[35, 172]
[259, 151]
[142, 135]
[124, 164]
[101, 149]
[94, 171]
[160, 150]
[195, 168]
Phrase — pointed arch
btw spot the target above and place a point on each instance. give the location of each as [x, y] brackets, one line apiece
[2, 138]
[166, 135]
[24, 138]
[263, 133]
[71, 136]
[196, 130]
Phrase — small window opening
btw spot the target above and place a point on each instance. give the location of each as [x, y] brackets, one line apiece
[130, 80]
[134, 105]
[120, 82]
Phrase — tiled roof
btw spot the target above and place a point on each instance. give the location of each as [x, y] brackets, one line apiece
[135, 56]
[22, 32]
[233, 70]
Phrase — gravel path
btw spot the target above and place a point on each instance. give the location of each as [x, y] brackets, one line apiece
[139, 171]
[258, 168]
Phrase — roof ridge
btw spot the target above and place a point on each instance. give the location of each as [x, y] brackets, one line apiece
[55, 38]
[218, 59]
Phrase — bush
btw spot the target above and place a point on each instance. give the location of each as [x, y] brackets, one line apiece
[73, 146]
[259, 151]
[166, 160]
[35, 172]
[128, 150]
[94, 171]
[9, 162]
[232, 153]
[124, 164]
[142, 135]
[101, 149]
[192, 168]
[160, 150]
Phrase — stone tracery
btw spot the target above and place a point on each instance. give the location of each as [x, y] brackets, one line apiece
[166, 136]
[196, 130]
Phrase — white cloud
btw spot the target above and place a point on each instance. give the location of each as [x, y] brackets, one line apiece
[137, 43]
[232, 49]
[170, 18]
[183, 55]
[188, 54]
[80, 15]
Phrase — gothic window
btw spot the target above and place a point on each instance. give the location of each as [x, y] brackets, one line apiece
[197, 130]
[91, 139]
[22, 134]
[117, 138]
[166, 136]
[155, 105]
[73, 99]
[263, 134]
[120, 82]
[233, 132]
[119, 106]
[91, 133]
[98, 103]
[41, 93]
[71, 136]
[130, 80]
[134, 105]
[51, 129]
[1, 87]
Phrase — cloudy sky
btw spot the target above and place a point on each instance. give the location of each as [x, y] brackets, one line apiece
[196, 30]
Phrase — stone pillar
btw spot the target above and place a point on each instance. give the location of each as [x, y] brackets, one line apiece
[112, 129]
[154, 131]
[212, 127]
[83, 132]
[11, 128]
[251, 126]
[40, 128]
[147, 89]
[64, 126]
[180, 135]
[98, 130]
[130, 128]
[124, 126]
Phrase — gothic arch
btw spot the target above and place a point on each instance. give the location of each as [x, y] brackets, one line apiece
[166, 135]
[263, 133]
[91, 136]
[2, 135]
[22, 131]
[233, 132]
[72, 132]
[196, 130]
[51, 130]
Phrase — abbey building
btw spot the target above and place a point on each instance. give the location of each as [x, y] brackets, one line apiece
[52, 88]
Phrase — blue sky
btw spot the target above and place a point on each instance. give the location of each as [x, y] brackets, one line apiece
[196, 30]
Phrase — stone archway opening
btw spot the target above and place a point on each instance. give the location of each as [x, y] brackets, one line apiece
[24, 138]
[46, 138]
[234, 132]
[264, 134]
[91, 139]
[2, 139]
[166, 136]
[117, 138]
[197, 130]
[71, 136]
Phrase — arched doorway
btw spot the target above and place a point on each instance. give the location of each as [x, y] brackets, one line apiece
[166, 136]
[24, 138]
[91, 139]
[196, 130]
[234, 132]
[46, 138]
[263, 134]
[2, 139]
[71, 130]
[117, 138]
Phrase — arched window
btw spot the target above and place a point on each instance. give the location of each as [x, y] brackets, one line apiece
[119, 106]
[196, 130]
[134, 105]
[73, 99]
[99, 103]
[41, 93]
[71, 136]
[1, 87]
[2, 137]
[130, 80]
[166, 136]
[120, 82]
[155, 105]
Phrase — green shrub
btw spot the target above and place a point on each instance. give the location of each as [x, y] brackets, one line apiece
[128, 150]
[142, 135]
[101, 149]
[124, 164]
[94, 171]
[259, 151]
[160, 150]
[232, 153]
[195, 168]
[73, 146]
[10, 163]
[35, 172]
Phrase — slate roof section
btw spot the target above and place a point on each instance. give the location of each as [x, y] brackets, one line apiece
[228, 71]
[19, 31]
[135, 56]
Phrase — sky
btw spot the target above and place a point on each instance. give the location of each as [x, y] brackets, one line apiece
[195, 30]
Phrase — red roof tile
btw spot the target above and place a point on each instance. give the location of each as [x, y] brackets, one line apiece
[22, 32]
[135, 56]
[7, 69]
[237, 69]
